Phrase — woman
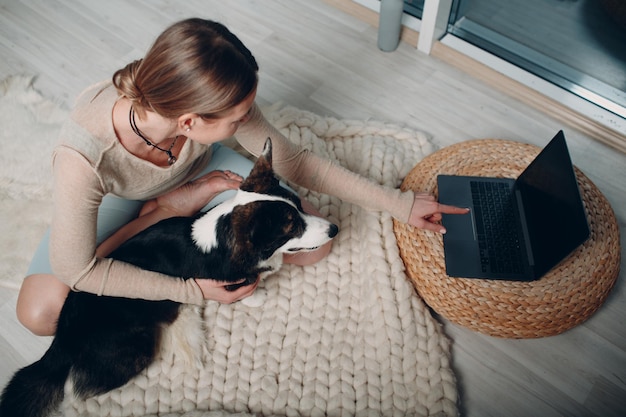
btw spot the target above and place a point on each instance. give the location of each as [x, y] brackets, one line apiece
[143, 148]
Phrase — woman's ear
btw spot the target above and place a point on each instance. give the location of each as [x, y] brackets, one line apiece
[187, 121]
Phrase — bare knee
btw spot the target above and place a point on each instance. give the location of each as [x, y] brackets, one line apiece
[40, 321]
[39, 303]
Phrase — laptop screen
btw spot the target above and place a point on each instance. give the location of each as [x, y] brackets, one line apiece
[555, 217]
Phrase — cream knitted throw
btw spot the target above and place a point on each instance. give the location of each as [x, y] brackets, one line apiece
[347, 336]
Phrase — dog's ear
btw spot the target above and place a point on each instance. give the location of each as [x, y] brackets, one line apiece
[267, 152]
[262, 177]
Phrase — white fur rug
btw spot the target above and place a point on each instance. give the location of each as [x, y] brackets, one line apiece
[347, 336]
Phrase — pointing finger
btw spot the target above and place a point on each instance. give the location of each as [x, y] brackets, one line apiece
[443, 208]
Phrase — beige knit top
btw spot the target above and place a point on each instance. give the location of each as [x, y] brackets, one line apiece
[90, 162]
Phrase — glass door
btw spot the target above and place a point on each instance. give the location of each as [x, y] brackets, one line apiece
[414, 7]
[579, 45]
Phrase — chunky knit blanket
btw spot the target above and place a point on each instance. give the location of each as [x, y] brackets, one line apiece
[347, 336]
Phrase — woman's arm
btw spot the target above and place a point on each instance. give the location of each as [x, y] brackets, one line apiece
[184, 201]
[319, 174]
[309, 170]
[77, 262]
[143, 221]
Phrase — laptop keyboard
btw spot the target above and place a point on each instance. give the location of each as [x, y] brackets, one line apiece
[496, 228]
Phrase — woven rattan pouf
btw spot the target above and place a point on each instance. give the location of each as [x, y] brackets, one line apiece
[562, 299]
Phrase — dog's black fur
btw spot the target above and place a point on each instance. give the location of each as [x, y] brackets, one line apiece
[102, 342]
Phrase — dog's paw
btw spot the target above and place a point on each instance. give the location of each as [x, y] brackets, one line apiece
[256, 299]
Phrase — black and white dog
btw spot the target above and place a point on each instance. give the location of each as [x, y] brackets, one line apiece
[102, 342]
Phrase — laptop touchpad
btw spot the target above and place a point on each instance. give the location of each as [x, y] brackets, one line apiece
[459, 226]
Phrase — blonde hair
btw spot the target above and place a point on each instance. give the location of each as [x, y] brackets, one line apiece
[194, 66]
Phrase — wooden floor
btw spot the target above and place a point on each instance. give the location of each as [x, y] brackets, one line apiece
[316, 57]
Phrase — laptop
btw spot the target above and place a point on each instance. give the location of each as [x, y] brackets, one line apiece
[517, 229]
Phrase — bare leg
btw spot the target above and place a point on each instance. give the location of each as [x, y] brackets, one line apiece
[309, 258]
[39, 303]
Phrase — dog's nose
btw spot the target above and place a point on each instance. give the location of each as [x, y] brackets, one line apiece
[333, 230]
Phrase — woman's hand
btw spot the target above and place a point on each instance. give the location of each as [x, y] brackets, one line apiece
[216, 290]
[189, 198]
[426, 212]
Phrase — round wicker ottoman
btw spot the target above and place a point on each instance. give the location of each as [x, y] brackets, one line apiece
[562, 299]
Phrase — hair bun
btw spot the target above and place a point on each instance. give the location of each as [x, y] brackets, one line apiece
[125, 82]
